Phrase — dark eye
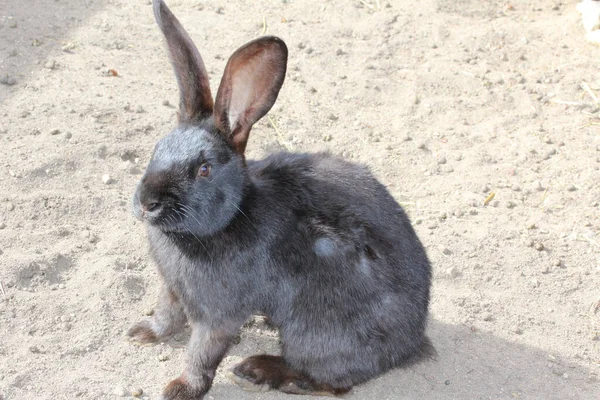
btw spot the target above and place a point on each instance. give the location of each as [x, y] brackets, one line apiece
[204, 170]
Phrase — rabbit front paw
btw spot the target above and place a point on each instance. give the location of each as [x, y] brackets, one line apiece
[179, 389]
[143, 333]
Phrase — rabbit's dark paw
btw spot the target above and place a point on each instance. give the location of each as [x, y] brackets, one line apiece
[264, 372]
[179, 389]
[142, 333]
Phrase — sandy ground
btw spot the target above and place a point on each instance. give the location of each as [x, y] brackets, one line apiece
[446, 101]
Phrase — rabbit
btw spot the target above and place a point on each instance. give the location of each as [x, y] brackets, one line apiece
[311, 241]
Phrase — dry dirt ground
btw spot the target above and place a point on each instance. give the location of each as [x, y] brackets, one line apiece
[446, 101]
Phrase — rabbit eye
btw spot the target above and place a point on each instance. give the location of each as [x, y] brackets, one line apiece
[204, 170]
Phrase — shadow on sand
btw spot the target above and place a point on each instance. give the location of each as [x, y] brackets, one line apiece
[469, 365]
[31, 31]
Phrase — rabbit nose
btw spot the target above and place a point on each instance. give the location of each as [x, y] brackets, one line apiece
[151, 208]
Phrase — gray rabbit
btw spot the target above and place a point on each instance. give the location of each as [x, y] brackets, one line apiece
[313, 242]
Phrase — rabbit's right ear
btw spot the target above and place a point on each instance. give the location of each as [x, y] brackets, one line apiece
[194, 89]
[250, 85]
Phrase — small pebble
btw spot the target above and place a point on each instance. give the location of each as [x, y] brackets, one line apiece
[163, 357]
[166, 103]
[510, 204]
[518, 331]
[557, 262]
[137, 392]
[446, 251]
[537, 186]
[34, 349]
[441, 160]
[571, 188]
[488, 317]
[120, 391]
[453, 272]
[139, 109]
[545, 269]
[68, 48]
[539, 246]
[10, 206]
[54, 132]
[12, 23]
[106, 179]
[7, 80]
[327, 138]
[50, 64]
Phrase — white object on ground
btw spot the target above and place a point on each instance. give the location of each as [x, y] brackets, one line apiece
[590, 14]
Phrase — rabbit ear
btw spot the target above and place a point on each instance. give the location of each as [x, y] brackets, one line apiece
[194, 89]
[251, 81]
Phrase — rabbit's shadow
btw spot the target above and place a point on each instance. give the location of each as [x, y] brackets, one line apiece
[468, 365]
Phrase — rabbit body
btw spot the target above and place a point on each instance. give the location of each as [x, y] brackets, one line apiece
[315, 243]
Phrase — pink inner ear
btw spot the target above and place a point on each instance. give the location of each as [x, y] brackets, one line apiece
[250, 86]
[243, 94]
[252, 79]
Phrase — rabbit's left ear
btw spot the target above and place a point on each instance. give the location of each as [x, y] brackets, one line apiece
[249, 87]
[196, 100]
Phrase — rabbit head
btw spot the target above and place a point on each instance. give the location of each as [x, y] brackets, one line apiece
[196, 177]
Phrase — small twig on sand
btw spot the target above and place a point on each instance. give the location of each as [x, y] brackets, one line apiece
[568, 103]
[489, 198]
[367, 4]
[2, 289]
[591, 123]
[264, 25]
[376, 6]
[587, 88]
[589, 240]
[544, 196]
[279, 135]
